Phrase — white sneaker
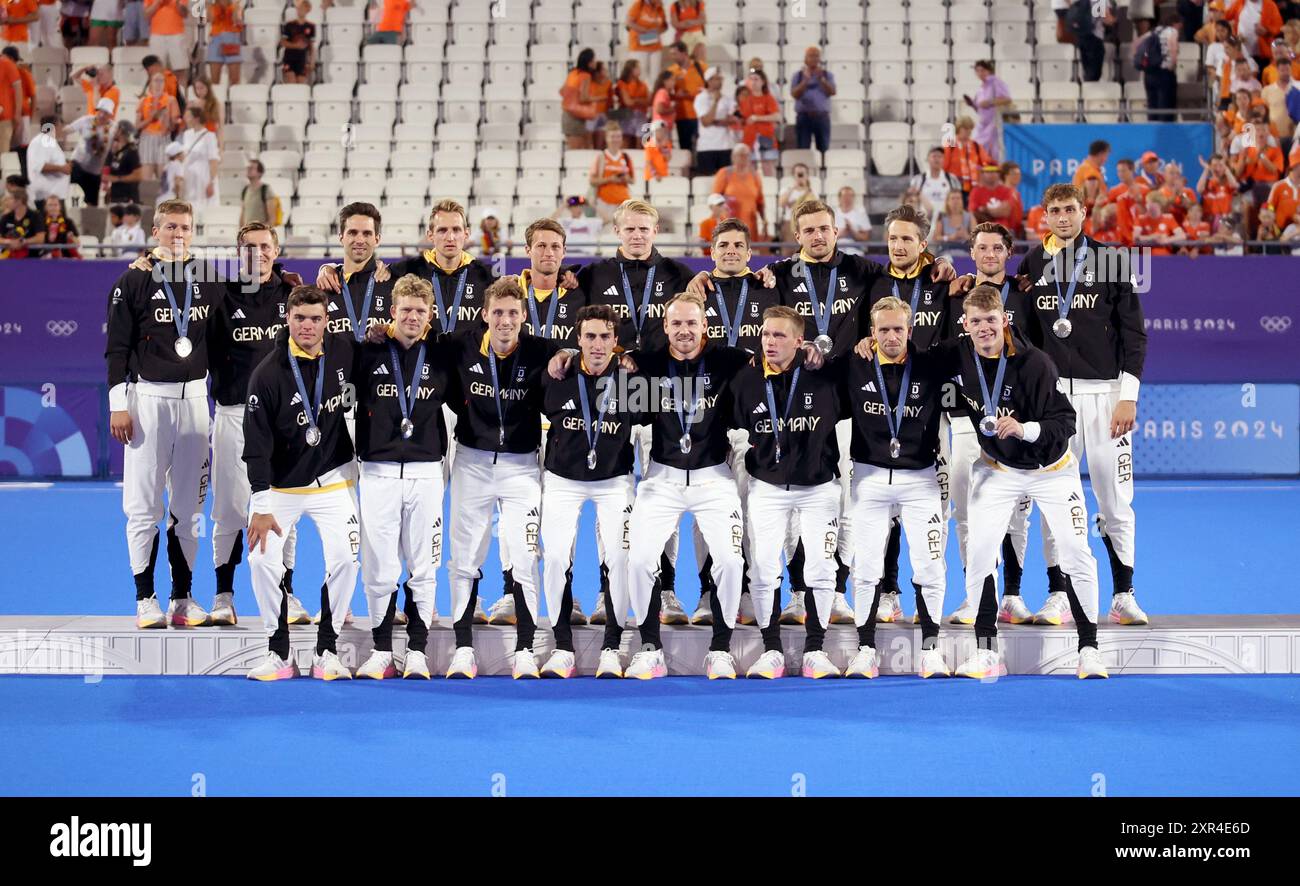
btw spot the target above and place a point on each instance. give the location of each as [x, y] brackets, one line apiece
[379, 666]
[818, 664]
[1091, 664]
[610, 665]
[148, 614]
[480, 617]
[841, 611]
[186, 613]
[648, 665]
[503, 611]
[746, 614]
[889, 610]
[1014, 611]
[577, 616]
[1124, 610]
[416, 666]
[525, 665]
[1056, 611]
[464, 666]
[770, 666]
[223, 610]
[327, 666]
[670, 609]
[704, 611]
[720, 666]
[297, 613]
[273, 667]
[865, 665]
[983, 664]
[597, 616]
[794, 612]
[561, 664]
[933, 664]
[963, 614]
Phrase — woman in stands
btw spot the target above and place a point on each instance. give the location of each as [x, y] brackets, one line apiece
[200, 93]
[577, 105]
[198, 185]
[953, 224]
[225, 39]
[663, 107]
[633, 100]
[156, 117]
[60, 231]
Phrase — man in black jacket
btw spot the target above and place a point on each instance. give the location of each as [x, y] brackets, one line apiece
[402, 380]
[1025, 425]
[300, 461]
[1083, 311]
[157, 356]
[790, 414]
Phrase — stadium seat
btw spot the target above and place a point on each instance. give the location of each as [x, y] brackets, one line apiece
[888, 101]
[931, 103]
[248, 103]
[1058, 102]
[889, 147]
[1101, 102]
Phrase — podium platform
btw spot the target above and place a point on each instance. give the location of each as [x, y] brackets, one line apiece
[109, 645]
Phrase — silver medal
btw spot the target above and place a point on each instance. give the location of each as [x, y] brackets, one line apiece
[988, 426]
[408, 428]
[778, 453]
[313, 436]
[591, 459]
[1062, 328]
[184, 347]
[895, 448]
[501, 437]
[823, 344]
[685, 443]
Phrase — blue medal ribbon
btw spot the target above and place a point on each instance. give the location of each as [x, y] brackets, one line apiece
[406, 400]
[990, 404]
[916, 293]
[771, 407]
[538, 329]
[1063, 303]
[686, 419]
[496, 393]
[179, 317]
[894, 414]
[448, 319]
[821, 310]
[638, 316]
[733, 330]
[359, 328]
[592, 431]
[312, 408]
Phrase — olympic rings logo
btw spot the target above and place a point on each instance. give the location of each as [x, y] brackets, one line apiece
[1275, 324]
[65, 328]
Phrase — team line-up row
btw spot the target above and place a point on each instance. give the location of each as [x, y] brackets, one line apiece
[814, 411]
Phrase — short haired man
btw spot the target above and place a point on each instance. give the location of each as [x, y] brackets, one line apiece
[157, 356]
[588, 458]
[402, 380]
[366, 297]
[300, 462]
[1093, 166]
[792, 465]
[1082, 309]
[1025, 424]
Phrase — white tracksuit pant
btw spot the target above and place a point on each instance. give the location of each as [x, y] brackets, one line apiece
[1110, 473]
[844, 438]
[562, 501]
[332, 506]
[401, 523]
[959, 458]
[168, 451]
[661, 499]
[230, 490]
[642, 435]
[481, 480]
[814, 512]
[879, 493]
[1058, 492]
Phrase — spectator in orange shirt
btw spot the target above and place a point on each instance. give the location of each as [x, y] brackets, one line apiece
[1282, 53]
[688, 21]
[1156, 227]
[1093, 165]
[1015, 220]
[152, 64]
[1195, 228]
[1104, 226]
[576, 106]
[611, 173]
[1036, 223]
[17, 15]
[658, 151]
[1217, 186]
[1151, 169]
[1256, 23]
[225, 39]
[718, 212]
[633, 99]
[1285, 197]
[97, 82]
[11, 104]
[1128, 197]
[964, 157]
[1256, 155]
[22, 126]
[741, 184]
[156, 117]
[688, 82]
[760, 112]
[167, 37]
[1178, 198]
[602, 96]
[392, 21]
[646, 23]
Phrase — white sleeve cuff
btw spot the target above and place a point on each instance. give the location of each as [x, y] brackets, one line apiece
[117, 398]
[260, 503]
[1032, 430]
[1128, 386]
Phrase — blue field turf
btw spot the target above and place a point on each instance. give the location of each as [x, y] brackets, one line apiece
[1203, 548]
